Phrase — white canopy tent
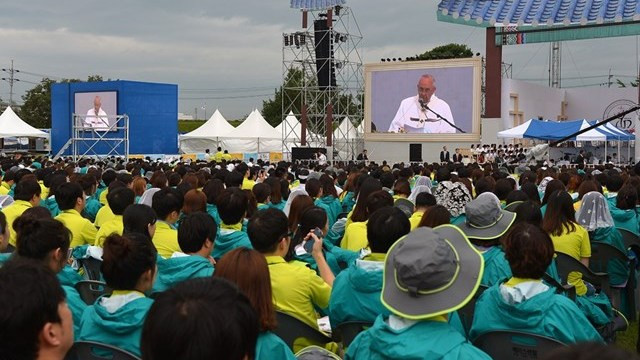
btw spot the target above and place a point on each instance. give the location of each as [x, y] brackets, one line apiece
[253, 135]
[207, 135]
[345, 130]
[12, 126]
[515, 132]
[344, 139]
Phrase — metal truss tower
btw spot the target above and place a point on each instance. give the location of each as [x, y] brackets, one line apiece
[323, 83]
[555, 64]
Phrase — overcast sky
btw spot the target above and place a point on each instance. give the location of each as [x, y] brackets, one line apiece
[230, 51]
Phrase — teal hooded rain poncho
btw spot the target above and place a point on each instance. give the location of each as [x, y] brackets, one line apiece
[121, 328]
[546, 314]
[423, 340]
[177, 269]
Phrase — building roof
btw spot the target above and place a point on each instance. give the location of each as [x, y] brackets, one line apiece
[489, 13]
[315, 4]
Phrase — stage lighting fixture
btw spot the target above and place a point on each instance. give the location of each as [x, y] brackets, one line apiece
[389, 60]
[383, 60]
[303, 38]
[394, 59]
[337, 10]
[286, 40]
[297, 40]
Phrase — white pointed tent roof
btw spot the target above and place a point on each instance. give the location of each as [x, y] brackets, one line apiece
[216, 126]
[253, 127]
[12, 126]
[292, 122]
[360, 128]
[515, 132]
[345, 129]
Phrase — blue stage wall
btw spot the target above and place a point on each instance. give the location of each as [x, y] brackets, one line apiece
[152, 110]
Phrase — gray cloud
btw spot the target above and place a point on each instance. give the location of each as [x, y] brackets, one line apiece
[236, 44]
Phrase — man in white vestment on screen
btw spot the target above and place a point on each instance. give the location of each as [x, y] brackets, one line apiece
[414, 117]
[96, 117]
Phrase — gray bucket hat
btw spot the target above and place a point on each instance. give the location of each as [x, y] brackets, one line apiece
[485, 219]
[430, 272]
[405, 205]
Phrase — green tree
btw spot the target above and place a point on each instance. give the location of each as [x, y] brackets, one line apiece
[291, 93]
[94, 78]
[36, 110]
[623, 85]
[448, 51]
[272, 108]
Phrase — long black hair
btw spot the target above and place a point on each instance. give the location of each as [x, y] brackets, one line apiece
[311, 218]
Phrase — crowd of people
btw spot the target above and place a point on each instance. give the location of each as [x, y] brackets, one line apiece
[520, 154]
[199, 257]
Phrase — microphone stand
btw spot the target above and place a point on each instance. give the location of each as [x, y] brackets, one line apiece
[426, 107]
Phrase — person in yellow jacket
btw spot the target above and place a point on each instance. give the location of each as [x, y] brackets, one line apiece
[26, 196]
[219, 155]
[70, 199]
[118, 200]
[7, 183]
[167, 204]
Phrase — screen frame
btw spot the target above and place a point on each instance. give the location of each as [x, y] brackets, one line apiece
[474, 136]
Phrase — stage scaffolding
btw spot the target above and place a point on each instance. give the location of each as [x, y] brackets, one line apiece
[322, 100]
[86, 141]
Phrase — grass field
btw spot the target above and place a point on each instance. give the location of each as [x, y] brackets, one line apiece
[627, 339]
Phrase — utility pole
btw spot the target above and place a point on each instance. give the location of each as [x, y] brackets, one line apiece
[11, 79]
[609, 78]
[195, 113]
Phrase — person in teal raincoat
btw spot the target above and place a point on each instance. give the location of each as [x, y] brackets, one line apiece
[355, 295]
[316, 218]
[262, 192]
[49, 242]
[328, 199]
[195, 236]
[50, 203]
[523, 302]
[594, 216]
[92, 205]
[248, 269]
[277, 201]
[129, 268]
[213, 189]
[486, 223]
[417, 327]
[232, 205]
[36, 320]
[624, 212]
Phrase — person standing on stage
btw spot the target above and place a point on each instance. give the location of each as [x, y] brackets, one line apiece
[363, 156]
[444, 155]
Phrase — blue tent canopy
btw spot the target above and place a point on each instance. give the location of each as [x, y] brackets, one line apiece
[552, 130]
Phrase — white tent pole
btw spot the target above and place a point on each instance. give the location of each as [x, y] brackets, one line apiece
[605, 151]
[618, 150]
